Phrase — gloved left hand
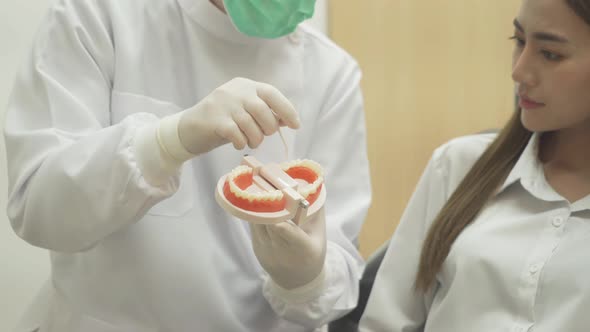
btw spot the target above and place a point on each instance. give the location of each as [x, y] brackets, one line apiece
[292, 255]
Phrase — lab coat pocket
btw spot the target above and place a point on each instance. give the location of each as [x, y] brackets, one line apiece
[65, 317]
[124, 104]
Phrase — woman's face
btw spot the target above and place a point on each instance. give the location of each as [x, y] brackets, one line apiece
[551, 66]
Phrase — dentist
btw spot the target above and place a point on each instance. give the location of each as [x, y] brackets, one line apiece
[121, 121]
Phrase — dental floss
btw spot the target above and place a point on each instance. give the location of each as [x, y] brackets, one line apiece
[282, 137]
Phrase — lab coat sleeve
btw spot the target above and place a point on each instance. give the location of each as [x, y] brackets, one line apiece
[73, 177]
[339, 145]
[393, 304]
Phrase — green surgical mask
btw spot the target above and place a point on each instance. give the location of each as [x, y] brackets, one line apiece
[268, 18]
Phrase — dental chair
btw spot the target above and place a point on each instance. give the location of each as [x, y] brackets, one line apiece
[350, 322]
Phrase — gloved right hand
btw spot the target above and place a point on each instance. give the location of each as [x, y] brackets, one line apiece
[240, 112]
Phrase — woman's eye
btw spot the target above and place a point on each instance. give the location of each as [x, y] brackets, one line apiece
[551, 56]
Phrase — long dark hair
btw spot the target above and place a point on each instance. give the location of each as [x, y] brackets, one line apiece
[478, 186]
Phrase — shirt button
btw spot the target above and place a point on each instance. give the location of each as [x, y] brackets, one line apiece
[557, 221]
[534, 268]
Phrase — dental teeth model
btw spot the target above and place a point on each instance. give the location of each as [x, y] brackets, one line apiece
[272, 193]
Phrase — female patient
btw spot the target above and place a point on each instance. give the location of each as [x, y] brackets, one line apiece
[497, 234]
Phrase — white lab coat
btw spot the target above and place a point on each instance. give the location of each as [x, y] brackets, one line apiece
[127, 256]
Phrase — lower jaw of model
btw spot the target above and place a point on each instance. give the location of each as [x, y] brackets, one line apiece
[238, 187]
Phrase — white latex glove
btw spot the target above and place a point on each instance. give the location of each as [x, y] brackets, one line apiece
[240, 112]
[292, 255]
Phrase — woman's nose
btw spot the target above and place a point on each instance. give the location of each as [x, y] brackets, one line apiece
[523, 69]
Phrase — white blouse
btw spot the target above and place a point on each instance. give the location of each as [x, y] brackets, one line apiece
[521, 266]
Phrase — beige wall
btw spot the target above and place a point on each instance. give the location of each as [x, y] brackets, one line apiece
[433, 70]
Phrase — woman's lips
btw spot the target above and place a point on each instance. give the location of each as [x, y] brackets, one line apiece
[527, 103]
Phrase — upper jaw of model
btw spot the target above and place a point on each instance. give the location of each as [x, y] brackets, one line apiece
[307, 173]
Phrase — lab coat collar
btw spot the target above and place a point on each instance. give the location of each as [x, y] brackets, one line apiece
[216, 22]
